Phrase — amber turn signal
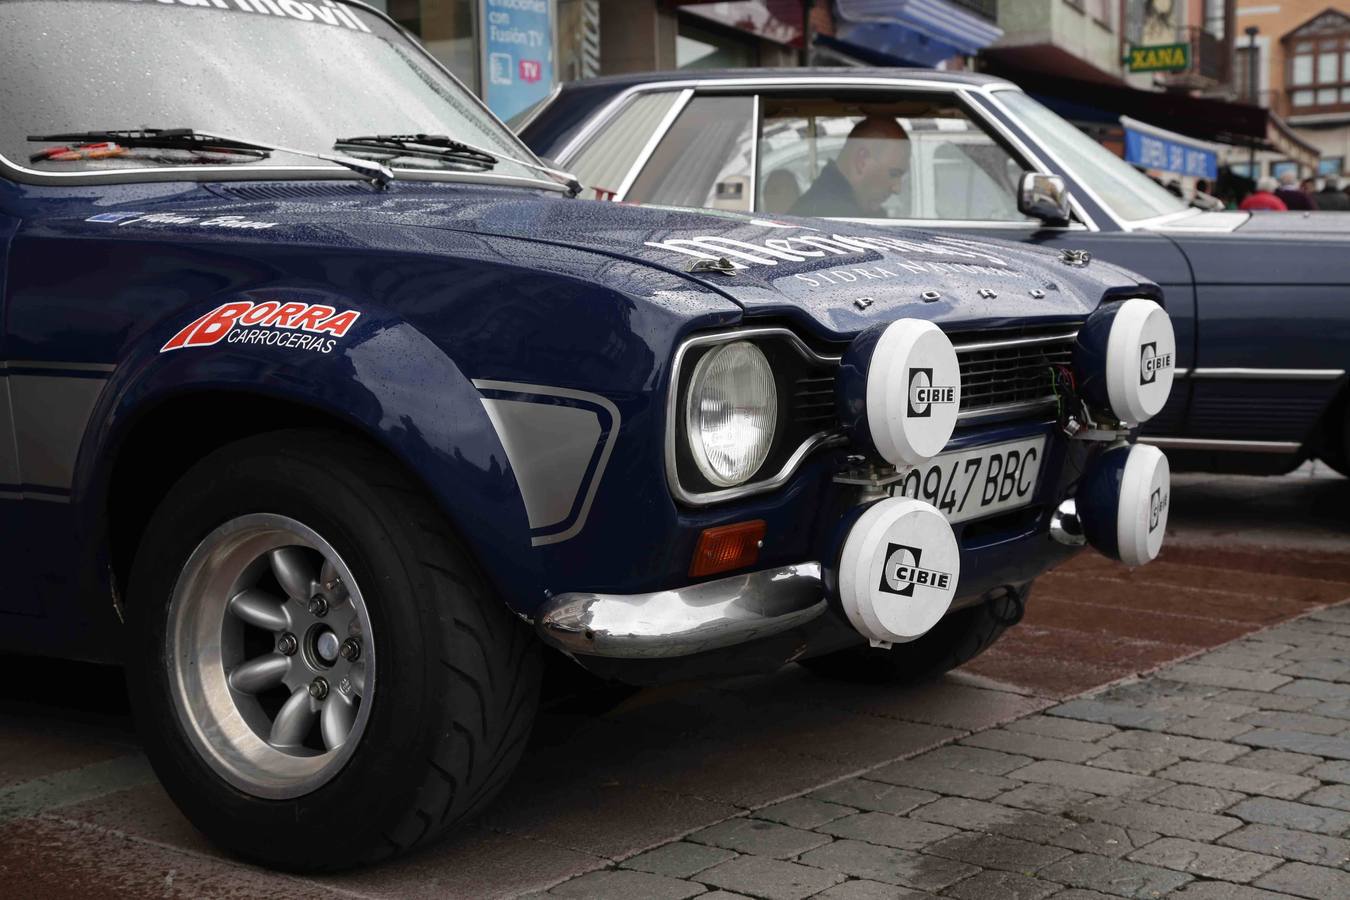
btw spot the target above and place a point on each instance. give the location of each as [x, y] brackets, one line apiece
[727, 547]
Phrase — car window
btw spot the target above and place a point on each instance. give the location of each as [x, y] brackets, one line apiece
[916, 157]
[604, 162]
[704, 161]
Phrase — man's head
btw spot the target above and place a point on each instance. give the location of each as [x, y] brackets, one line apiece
[1288, 179]
[1267, 184]
[874, 157]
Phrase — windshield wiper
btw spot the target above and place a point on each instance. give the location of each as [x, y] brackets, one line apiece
[442, 147]
[202, 142]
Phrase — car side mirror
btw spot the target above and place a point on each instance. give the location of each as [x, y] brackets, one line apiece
[1043, 197]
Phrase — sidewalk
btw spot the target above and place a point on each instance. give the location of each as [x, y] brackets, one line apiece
[1226, 776]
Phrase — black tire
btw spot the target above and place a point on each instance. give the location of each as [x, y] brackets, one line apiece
[458, 674]
[954, 641]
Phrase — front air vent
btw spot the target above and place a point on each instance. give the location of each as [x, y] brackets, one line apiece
[1008, 371]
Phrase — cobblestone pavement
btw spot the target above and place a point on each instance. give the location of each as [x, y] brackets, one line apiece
[1226, 774]
[1223, 776]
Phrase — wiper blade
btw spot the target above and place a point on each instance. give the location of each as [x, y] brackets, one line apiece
[188, 139]
[440, 146]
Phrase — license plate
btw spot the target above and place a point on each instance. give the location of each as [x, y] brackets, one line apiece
[981, 481]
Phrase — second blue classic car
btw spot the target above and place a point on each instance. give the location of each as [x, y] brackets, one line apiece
[328, 412]
[1258, 300]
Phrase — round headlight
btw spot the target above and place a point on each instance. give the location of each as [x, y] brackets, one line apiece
[731, 413]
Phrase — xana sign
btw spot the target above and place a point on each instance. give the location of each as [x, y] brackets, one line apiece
[1159, 58]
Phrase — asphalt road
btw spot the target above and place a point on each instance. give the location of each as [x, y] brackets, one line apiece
[81, 815]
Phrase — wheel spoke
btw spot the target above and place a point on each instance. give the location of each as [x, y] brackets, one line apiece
[257, 675]
[328, 574]
[358, 679]
[295, 721]
[294, 571]
[335, 724]
[260, 609]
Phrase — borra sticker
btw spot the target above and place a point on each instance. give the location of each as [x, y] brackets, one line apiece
[294, 325]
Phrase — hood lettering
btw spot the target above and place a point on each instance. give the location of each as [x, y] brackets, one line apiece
[800, 248]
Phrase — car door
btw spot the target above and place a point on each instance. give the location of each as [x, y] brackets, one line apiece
[15, 593]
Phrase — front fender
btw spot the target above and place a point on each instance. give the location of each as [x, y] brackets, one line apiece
[385, 379]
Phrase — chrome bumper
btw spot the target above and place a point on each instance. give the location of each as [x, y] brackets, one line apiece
[686, 620]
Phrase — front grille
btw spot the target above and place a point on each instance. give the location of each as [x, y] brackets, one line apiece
[1008, 370]
[813, 402]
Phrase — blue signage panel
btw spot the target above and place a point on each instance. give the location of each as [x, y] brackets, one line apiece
[1153, 152]
[517, 53]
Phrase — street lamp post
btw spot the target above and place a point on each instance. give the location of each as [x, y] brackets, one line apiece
[1252, 31]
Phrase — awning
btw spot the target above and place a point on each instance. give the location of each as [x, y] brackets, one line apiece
[925, 31]
[1157, 148]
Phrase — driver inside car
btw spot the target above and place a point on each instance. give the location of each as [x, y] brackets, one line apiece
[867, 171]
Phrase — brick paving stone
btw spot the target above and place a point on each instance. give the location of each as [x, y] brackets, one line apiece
[1314, 689]
[803, 812]
[888, 830]
[1296, 721]
[1320, 849]
[1261, 700]
[1202, 709]
[1217, 676]
[862, 889]
[935, 777]
[625, 884]
[1223, 890]
[1206, 860]
[1114, 876]
[1120, 714]
[1139, 762]
[1332, 709]
[1206, 729]
[992, 851]
[678, 860]
[1321, 669]
[1034, 745]
[1235, 777]
[972, 759]
[1149, 691]
[873, 795]
[1162, 819]
[1086, 778]
[1233, 658]
[758, 837]
[1103, 839]
[1299, 742]
[1335, 770]
[772, 879]
[1185, 747]
[976, 815]
[1303, 880]
[1046, 798]
[1065, 729]
[888, 864]
[1287, 814]
[1197, 798]
[1003, 886]
[1337, 796]
[1081, 894]
[1277, 761]
[716, 895]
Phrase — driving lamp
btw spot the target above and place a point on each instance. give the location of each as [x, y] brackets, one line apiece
[1125, 359]
[731, 413]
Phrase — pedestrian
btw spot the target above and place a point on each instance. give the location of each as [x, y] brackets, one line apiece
[1264, 197]
[1293, 196]
[1332, 195]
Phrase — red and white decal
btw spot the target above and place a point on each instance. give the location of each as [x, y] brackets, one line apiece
[305, 326]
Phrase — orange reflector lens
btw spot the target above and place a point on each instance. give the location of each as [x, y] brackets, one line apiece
[727, 547]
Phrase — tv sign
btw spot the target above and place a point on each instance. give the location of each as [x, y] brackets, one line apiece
[517, 53]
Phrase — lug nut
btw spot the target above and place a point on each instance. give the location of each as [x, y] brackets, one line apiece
[318, 688]
[318, 607]
[287, 644]
[350, 650]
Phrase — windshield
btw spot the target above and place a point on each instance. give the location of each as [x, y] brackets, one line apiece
[283, 72]
[1130, 194]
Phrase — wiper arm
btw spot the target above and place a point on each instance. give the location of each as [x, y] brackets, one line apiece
[187, 139]
[440, 146]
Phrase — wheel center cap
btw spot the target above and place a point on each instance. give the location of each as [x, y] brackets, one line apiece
[326, 645]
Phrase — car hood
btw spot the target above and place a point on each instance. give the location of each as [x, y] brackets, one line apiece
[842, 276]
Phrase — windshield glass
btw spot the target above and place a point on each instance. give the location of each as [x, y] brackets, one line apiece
[284, 72]
[1131, 194]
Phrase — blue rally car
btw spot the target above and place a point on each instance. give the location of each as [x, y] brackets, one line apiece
[327, 410]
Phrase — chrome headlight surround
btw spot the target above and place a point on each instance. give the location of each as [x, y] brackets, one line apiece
[793, 439]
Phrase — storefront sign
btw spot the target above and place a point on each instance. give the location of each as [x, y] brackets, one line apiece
[1159, 58]
[1153, 152]
[517, 53]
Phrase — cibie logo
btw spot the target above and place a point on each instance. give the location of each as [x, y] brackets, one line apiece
[305, 326]
[923, 393]
[1157, 505]
[1151, 362]
[902, 572]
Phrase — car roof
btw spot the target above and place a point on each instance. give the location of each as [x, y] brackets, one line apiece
[843, 73]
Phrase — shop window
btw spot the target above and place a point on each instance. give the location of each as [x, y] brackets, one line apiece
[1330, 165]
[1319, 64]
